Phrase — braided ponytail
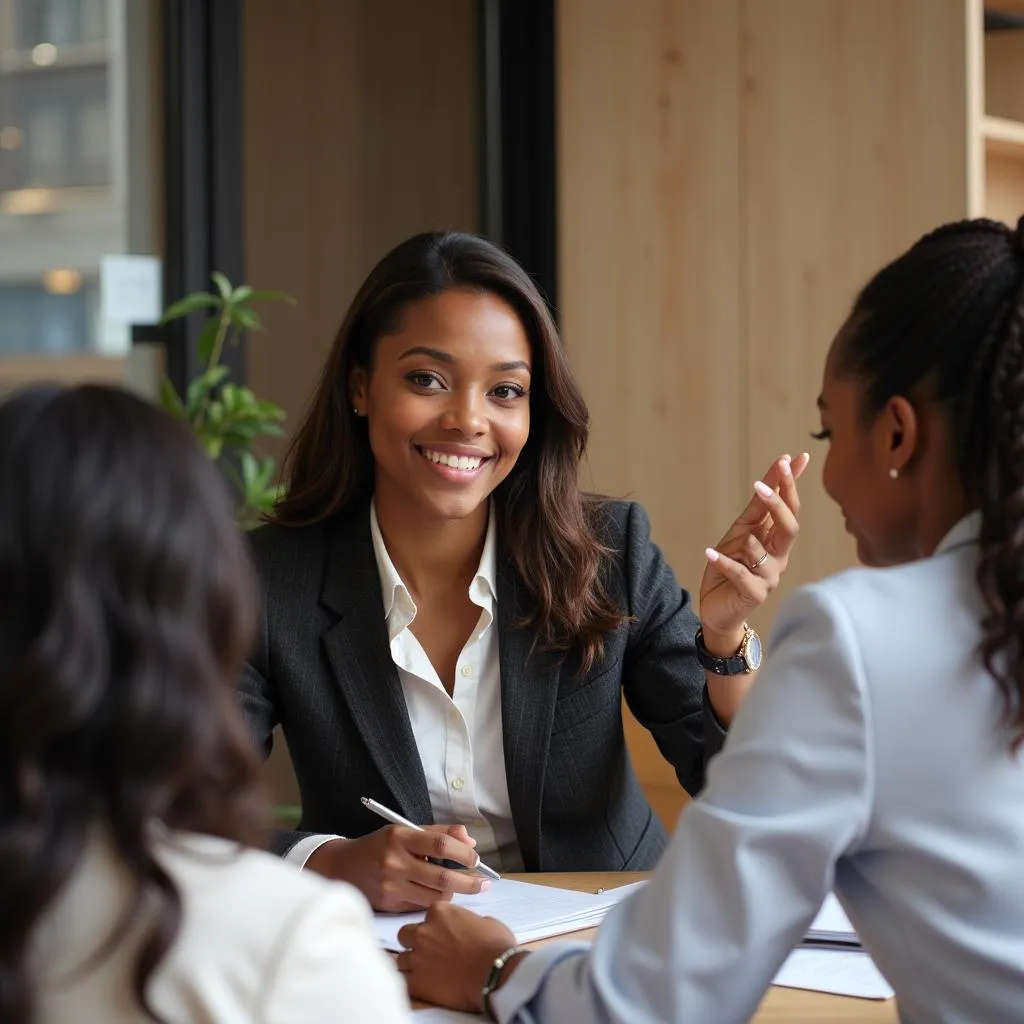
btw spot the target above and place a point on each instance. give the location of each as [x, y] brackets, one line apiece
[1001, 573]
[945, 321]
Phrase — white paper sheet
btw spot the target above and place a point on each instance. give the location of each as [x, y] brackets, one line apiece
[531, 911]
[841, 972]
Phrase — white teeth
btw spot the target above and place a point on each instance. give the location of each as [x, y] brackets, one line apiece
[463, 462]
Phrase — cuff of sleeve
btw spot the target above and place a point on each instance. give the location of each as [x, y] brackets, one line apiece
[304, 849]
[714, 731]
[530, 975]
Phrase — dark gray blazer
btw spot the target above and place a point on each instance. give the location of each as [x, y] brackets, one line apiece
[322, 668]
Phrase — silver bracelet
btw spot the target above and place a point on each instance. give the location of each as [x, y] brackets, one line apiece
[494, 976]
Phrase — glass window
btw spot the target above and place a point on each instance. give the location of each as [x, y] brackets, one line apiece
[58, 22]
[78, 159]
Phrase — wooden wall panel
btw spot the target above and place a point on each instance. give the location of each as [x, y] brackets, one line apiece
[648, 181]
[360, 129]
[854, 126]
[729, 174]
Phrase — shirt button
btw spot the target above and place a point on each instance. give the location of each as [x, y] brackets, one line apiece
[467, 670]
[458, 782]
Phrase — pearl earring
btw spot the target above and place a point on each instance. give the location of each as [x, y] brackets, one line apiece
[894, 474]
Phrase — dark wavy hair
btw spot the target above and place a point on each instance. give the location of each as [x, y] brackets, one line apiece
[545, 522]
[945, 322]
[126, 610]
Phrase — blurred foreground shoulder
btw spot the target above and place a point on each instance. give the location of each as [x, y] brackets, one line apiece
[304, 947]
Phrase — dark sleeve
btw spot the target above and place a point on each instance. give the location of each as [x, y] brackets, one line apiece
[662, 680]
[258, 702]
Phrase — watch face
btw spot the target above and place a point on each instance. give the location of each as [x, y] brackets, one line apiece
[753, 652]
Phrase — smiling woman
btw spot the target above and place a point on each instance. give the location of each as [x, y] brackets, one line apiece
[449, 418]
[451, 624]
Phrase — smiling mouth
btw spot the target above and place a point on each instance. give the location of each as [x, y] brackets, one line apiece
[461, 463]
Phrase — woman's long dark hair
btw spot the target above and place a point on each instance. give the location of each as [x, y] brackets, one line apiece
[126, 610]
[945, 322]
[542, 516]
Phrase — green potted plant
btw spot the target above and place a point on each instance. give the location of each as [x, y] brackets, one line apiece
[227, 418]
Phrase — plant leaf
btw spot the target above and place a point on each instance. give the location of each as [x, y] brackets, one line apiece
[247, 319]
[241, 293]
[170, 400]
[270, 410]
[250, 470]
[200, 388]
[189, 304]
[222, 283]
[207, 336]
[212, 446]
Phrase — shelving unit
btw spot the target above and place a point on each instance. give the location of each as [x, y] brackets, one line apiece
[996, 113]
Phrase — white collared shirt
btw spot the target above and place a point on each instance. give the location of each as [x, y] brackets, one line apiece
[459, 738]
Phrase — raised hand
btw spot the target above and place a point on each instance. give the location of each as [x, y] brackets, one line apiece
[746, 564]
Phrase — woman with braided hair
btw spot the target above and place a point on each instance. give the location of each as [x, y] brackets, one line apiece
[882, 752]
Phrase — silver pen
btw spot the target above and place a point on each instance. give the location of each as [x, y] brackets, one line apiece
[396, 819]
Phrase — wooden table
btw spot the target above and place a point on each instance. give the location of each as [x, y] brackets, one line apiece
[779, 1006]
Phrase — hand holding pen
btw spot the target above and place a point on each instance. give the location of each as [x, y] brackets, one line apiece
[396, 867]
[396, 819]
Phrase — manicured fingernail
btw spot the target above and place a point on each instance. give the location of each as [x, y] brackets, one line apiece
[763, 489]
[485, 886]
[806, 456]
[785, 467]
[712, 554]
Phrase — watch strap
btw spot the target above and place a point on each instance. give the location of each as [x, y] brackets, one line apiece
[735, 665]
[494, 977]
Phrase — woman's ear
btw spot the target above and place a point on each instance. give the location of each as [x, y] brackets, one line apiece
[900, 434]
[358, 388]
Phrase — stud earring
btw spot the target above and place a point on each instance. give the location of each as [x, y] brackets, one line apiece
[355, 410]
[894, 474]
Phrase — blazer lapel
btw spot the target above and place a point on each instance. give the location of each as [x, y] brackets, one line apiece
[529, 689]
[359, 655]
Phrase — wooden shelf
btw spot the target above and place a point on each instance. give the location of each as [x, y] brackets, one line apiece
[1014, 8]
[1003, 137]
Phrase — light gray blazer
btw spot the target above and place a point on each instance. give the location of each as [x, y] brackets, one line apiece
[868, 757]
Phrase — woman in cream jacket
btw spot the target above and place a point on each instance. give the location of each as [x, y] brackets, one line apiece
[128, 890]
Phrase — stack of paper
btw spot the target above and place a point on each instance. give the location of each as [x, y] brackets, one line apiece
[831, 929]
[530, 911]
[832, 960]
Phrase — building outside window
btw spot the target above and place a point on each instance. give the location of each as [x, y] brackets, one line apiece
[79, 123]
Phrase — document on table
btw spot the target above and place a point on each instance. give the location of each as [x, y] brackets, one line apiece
[831, 959]
[531, 911]
[841, 972]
